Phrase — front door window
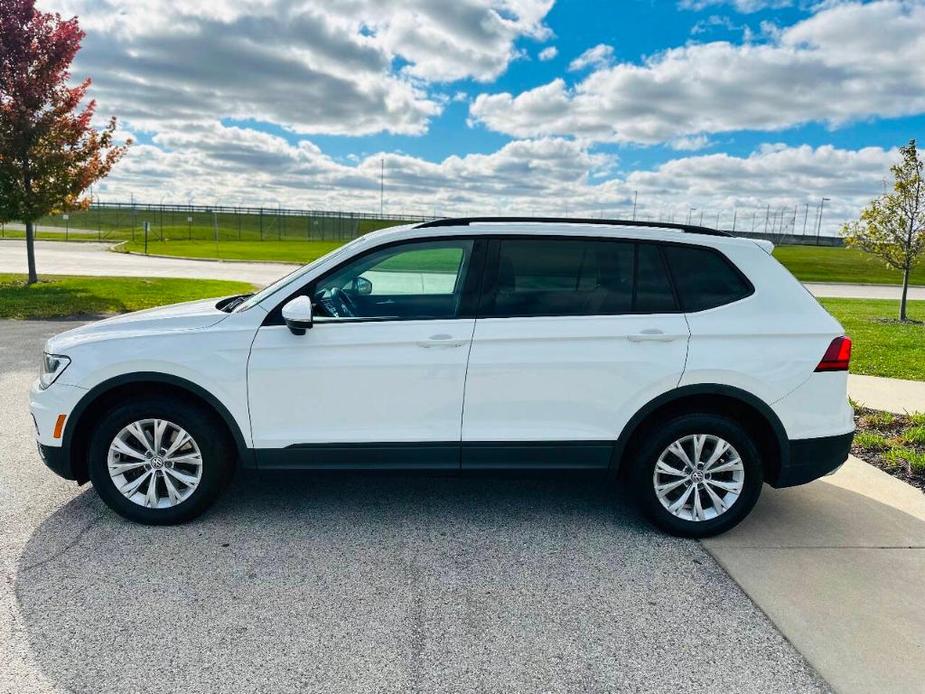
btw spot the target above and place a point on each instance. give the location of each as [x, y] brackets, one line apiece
[415, 280]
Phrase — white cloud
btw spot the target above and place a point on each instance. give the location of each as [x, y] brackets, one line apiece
[830, 67]
[745, 6]
[545, 176]
[351, 68]
[690, 143]
[548, 53]
[599, 56]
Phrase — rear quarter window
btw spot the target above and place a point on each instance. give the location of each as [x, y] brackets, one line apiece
[705, 278]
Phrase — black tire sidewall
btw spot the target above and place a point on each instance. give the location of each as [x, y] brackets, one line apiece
[658, 439]
[198, 422]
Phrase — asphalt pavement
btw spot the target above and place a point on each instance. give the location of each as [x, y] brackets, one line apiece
[360, 583]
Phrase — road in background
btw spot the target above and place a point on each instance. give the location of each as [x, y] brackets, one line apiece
[87, 258]
[360, 583]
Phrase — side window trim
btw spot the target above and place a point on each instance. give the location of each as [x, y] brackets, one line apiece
[473, 269]
[666, 266]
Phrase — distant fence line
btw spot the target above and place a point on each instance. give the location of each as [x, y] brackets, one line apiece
[119, 221]
[125, 221]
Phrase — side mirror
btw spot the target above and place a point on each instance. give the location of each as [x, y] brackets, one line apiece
[298, 315]
[362, 286]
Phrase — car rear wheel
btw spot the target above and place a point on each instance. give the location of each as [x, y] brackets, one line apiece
[698, 475]
[159, 462]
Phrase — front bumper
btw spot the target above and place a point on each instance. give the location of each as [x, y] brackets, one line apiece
[811, 459]
[46, 406]
[58, 461]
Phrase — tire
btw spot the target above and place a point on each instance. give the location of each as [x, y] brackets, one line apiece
[192, 487]
[713, 505]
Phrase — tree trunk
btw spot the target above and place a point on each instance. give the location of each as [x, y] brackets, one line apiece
[902, 300]
[30, 252]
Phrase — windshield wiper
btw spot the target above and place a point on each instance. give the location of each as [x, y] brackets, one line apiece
[231, 303]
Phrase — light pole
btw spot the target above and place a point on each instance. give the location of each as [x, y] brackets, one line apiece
[635, 200]
[690, 213]
[822, 203]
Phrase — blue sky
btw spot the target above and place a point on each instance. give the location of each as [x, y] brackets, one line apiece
[487, 105]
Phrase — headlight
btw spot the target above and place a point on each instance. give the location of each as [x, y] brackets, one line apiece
[53, 365]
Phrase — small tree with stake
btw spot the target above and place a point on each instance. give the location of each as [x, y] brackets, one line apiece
[892, 227]
[50, 153]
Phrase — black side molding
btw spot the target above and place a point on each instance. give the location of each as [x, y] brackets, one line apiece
[440, 455]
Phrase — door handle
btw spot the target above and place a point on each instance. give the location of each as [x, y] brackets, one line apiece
[651, 335]
[441, 340]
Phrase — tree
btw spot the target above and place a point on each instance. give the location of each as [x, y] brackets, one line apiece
[892, 227]
[50, 152]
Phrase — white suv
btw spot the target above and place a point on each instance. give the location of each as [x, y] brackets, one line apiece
[686, 362]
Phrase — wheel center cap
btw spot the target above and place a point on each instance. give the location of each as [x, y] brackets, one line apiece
[697, 476]
[157, 462]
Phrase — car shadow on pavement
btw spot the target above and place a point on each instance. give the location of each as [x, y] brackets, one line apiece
[390, 583]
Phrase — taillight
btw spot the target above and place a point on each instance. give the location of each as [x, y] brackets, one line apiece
[837, 356]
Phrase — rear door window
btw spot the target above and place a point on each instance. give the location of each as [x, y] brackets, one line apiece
[577, 277]
[705, 278]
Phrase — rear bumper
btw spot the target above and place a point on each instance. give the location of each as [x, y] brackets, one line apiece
[811, 459]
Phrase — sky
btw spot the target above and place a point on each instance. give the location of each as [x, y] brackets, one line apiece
[708, 110]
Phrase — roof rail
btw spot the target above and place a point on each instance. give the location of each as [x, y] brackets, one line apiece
[466, 221]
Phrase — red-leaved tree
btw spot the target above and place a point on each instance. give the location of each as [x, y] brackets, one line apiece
[50, 153]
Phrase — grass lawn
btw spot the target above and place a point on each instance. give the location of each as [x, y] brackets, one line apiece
[821, 264]
[881, 345]
[277, 251]
[65, 296]
[807, 263]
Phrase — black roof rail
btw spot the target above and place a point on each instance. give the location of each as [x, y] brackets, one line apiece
[466, 221]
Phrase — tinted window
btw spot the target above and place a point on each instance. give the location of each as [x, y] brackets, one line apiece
[411, 280]
[704, 278]
[564, 277]
[653, 287]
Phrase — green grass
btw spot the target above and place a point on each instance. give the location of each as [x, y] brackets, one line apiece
[66, 296]
[115, 223]
[822, 264]
[431, 260]
[276, 251]
[915, 435]
[901, 455]
[807, 263]
[871, 439]
[881, 345]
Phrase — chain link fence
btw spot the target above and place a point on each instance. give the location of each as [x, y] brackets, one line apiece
[795, 224]
[126, 222]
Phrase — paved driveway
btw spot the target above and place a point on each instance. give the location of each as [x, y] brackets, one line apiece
[326, 583]
[89, 258]
[86, 258]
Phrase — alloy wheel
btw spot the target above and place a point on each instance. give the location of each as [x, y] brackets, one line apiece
[154, 463]
[699, 477]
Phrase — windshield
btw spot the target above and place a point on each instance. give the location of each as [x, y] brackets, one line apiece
[285, 279]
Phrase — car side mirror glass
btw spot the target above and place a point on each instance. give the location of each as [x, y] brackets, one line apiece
[298, 315]
[362, 286]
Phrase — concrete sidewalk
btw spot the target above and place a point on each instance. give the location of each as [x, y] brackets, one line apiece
[888, 394]
[838, 565]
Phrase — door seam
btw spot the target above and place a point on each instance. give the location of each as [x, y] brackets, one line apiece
[462, 411]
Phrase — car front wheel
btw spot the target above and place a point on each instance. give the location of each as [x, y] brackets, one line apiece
[698, 475]
[159, 462]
